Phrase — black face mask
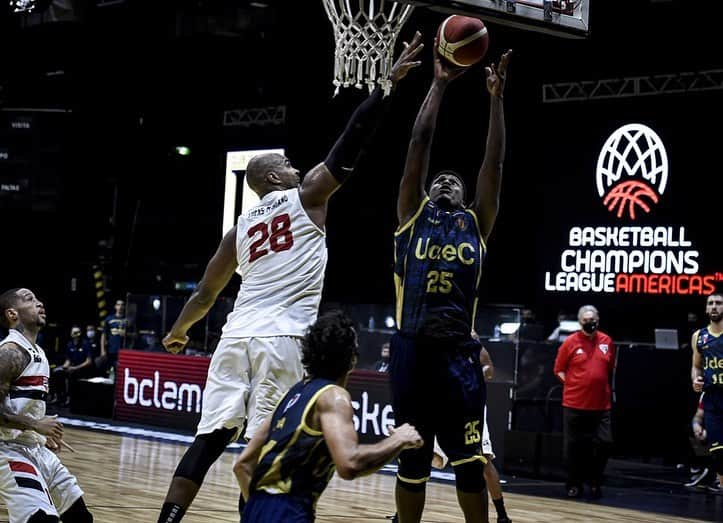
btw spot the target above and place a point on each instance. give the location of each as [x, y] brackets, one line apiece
[589, 327]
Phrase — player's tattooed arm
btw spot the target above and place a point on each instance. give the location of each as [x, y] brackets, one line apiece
[13, 360]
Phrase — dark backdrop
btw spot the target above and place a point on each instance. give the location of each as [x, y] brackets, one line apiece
[105, 185]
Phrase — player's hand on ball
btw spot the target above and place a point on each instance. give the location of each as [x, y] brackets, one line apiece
[698, 384]
[174, 342]
[406, 61]
[497, 74]
[445, 71]
[409, 436]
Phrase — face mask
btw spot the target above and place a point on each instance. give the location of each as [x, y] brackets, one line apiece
[90, 334]
[589, 327]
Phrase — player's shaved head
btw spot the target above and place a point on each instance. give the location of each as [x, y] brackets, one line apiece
[258, 168]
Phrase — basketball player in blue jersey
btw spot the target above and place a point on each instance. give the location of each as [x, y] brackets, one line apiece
[291, 459]
[435, 372]
[707, 375]
[279, 249]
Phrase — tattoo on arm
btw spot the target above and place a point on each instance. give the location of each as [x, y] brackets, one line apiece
[13, 361]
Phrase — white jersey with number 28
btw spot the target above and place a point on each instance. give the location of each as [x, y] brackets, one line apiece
[282, 258]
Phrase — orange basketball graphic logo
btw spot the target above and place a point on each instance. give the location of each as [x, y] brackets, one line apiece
[632, 170]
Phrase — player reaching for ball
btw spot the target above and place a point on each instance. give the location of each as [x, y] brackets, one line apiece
[279, 249]
[436, 376]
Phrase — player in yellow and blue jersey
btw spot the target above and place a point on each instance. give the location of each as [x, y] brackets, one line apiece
[291, 459]
[707, 375]
[436, 376]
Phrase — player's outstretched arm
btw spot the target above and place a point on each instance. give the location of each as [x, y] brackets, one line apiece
[324, 179]
[218, 273]
[245, 466]
[489, 180]
[334, 412]
[411, 188]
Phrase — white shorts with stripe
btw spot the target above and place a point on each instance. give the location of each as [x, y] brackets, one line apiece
[486, 442]
[440, 458]
[246, 379]
[32, 479]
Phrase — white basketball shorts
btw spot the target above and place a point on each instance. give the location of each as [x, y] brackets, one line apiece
[440, 459]
[246, 379]
[32, 479]
[486, 442]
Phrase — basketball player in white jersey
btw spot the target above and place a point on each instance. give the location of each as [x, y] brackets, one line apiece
[34, 484]
[278, 247]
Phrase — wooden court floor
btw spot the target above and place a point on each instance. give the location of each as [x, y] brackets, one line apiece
[125, 479]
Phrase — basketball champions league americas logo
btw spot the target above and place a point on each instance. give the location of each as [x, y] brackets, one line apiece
[631, 177]
[632, 170]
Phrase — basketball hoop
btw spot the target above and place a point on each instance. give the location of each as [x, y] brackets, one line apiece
[365, 40]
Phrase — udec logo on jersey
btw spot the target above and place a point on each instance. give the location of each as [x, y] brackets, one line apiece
[632, 170]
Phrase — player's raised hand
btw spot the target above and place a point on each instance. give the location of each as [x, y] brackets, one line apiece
[175, 342]
[406, 61]
[408, 435]
[497, 74]
[445, 71]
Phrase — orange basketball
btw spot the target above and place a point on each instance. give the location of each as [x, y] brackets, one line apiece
[463, 40]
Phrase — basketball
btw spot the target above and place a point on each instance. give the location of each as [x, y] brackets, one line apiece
[462, 40]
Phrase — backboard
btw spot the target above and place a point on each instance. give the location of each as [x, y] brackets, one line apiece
[568, 18]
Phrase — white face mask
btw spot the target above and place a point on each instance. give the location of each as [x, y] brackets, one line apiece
[90, 333]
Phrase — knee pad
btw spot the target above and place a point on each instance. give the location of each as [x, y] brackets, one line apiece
[203, 452]
[717, 458]
[77, 513]
[42, 517]
[470, 476]
[412, 485]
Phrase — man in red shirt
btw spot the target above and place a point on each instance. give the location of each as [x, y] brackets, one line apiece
[585, 363]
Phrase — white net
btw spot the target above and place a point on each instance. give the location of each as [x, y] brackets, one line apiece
[365, 32]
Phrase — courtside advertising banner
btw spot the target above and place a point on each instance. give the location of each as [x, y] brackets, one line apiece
[160, 389]
[372, 403]
[166, 390]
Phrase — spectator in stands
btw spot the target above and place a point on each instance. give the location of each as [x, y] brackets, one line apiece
[113, 336]
[530, 328]
[78, 364]
[91, 335]
[531, 379]
[565, 326]
[382, 365]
